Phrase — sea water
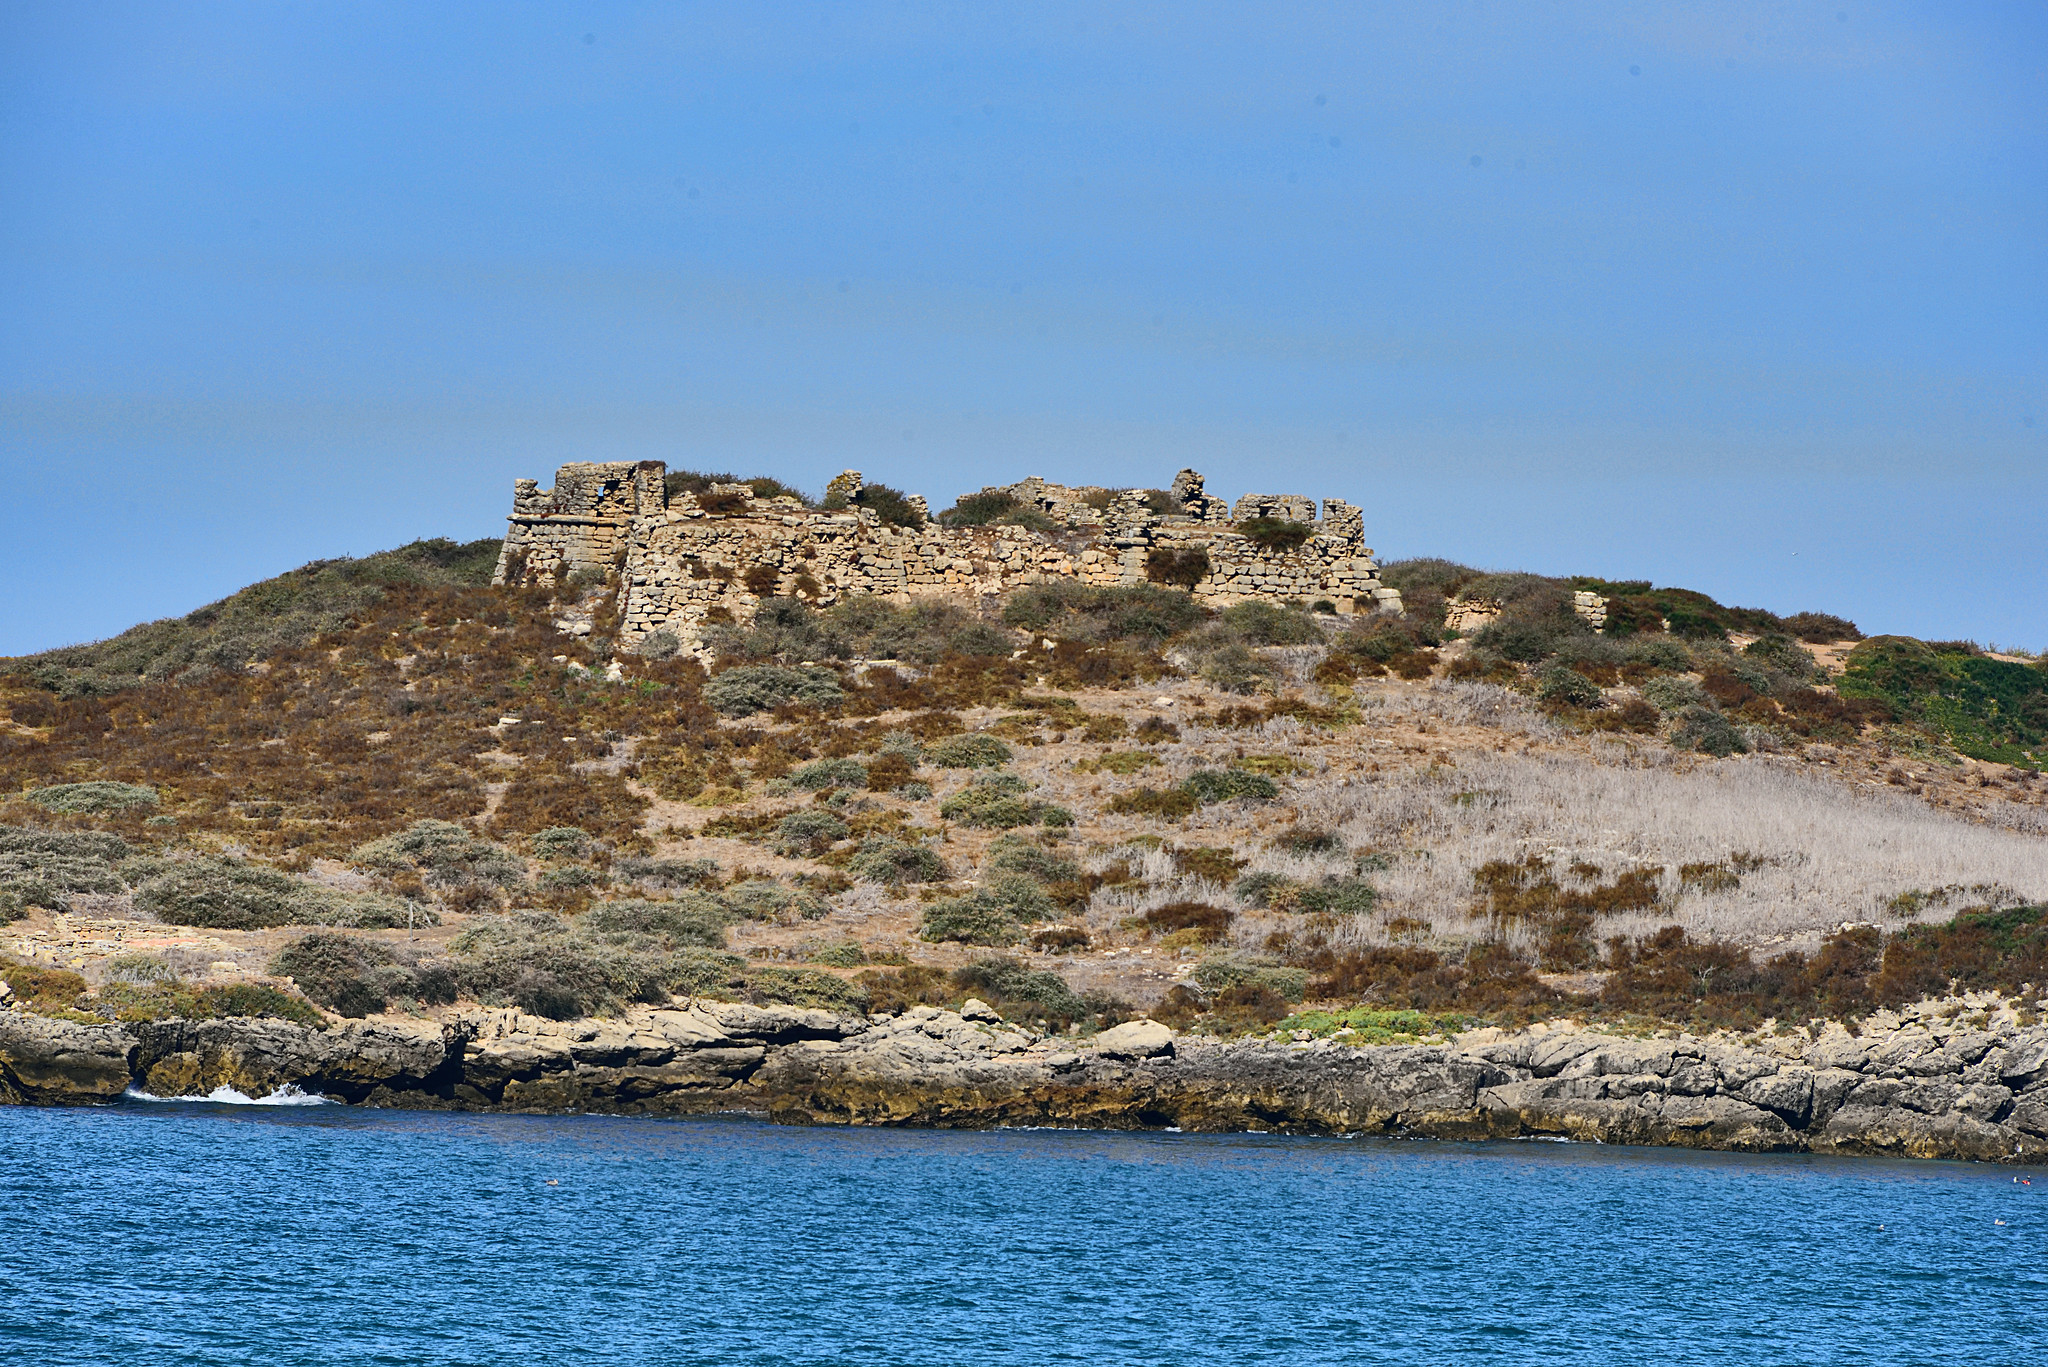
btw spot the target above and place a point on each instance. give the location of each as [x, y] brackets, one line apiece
[203, 1232]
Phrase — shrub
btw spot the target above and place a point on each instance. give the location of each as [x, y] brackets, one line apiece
[353, 976]
[1267, 624]
[38, 868]
[764, 899]
[1060, 939]
[1557, 684]
[747, 689]
[976, 919]
[1016, 990]
[829, 773]
[884, 860]
[660, 645]
[666, 873]
[1080, 612]
[968, 752]
[1009, 854]
[806, 987]
[1783, 654]
[699, 921]
[1821, 627]
[1223, 785]
[1708, 732]
[991, 802]
[561, 842]
[230, 895]
[840, 954]
[89, 799]
[1235, 669]
[443, 853]
[1658, 652]
[1672, 695]
[1180, 567]
[1275, 534]
[1209, 923]
[811, 831]
[541, 964]
[1170, 803]
[993, 506]
[1222, 974]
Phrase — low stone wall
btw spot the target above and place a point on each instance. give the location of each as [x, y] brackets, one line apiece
[1950, 1080]
[687, 562]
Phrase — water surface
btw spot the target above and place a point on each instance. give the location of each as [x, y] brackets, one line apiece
[194, 1232]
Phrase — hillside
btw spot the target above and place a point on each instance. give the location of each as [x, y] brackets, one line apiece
[385, 787]
[255, 622]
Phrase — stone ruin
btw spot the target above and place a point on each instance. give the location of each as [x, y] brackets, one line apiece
[686, 561]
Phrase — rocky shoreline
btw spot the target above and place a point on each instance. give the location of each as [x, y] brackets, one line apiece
[1960, 1080]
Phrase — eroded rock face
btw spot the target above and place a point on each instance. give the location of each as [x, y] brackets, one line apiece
[1913, 1087]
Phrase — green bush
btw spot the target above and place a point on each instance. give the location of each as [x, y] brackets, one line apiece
[1330, 896]
[444, 854]
[1267, 624]
[1222, 785]
[1016, 990]
[1235, 669]
[1073, 611]
[698, 921]
[1783, 654]
[1168, 803]
[1222, 974]
[976, 919]
[91, 799]
[968, 752]
[544, 966]
[227, 894]
[840, 954]
[1671, 694]
[883, 860]
[561, 842]
[1657, 652]
[1557, 684]
[1180, 567]
[1276, 534]
[747, 689]
[805, 987]
[1009, 854]
[353, 976]
[666, 873]
[766, 900]
[829, 773]
[890, 506]
[808, 832]
[1708, 732]
[38, 868]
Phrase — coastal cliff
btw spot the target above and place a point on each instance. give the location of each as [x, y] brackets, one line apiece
[1960, 1080]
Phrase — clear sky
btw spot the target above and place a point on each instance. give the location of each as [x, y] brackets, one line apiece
[1749, 298]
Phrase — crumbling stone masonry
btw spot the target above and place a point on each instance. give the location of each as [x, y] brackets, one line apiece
[688, 561]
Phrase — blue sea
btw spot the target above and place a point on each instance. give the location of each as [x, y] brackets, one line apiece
[193, 1232]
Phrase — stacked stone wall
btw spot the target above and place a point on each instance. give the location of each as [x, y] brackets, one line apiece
[687, 562]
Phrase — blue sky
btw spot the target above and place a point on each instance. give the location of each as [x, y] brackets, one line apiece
[1746, 298]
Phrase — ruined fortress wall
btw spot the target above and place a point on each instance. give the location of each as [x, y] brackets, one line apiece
[686, 561]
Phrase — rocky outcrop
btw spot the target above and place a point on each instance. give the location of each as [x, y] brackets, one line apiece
[1925, 1084]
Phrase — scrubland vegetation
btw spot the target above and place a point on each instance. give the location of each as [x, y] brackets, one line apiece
[404, 789]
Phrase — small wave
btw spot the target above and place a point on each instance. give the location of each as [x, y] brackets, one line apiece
[287, 1095]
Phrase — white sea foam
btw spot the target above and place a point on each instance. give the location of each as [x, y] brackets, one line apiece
[287, 1095]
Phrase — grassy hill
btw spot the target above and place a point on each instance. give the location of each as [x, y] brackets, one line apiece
[255, 622]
